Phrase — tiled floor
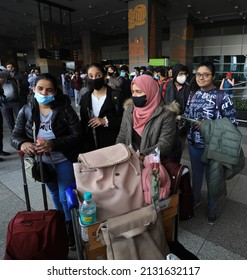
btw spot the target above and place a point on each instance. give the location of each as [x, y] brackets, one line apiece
[226, 240]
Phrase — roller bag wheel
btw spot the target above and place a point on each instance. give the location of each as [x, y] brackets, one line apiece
[36, 235]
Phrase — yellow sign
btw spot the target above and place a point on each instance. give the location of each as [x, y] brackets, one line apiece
[137, 16]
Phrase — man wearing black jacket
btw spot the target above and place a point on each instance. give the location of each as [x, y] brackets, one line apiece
[9, 97]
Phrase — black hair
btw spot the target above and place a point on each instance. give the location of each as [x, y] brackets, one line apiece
[114, 68]
[100, 67]
[147, 72]
[48, 77]
[176, 68]
[193, 86]
[59, 96]
[124, 68]
[209, 65]
[163, 72]
[10, 63]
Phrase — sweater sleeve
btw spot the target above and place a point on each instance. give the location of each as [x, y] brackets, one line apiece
[227, 109]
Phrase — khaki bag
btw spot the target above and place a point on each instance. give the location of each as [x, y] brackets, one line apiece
[138, 235]
[113, 175]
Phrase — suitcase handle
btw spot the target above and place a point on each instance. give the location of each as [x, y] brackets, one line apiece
[24, 176]
[22, 154]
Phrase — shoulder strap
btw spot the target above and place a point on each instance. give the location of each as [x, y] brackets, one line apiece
[163, 90]
[219, 98]
[34, 132]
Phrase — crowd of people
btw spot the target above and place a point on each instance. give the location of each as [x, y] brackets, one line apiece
[138, 109]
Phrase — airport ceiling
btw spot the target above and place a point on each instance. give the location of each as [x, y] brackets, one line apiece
[107, 17]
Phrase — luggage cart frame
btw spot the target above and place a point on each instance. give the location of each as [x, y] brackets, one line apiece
[95, 248]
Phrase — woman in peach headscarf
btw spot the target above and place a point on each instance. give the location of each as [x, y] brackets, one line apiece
[147, 123]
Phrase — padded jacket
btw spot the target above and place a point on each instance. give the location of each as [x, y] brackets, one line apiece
[223, 153]
[65, 125]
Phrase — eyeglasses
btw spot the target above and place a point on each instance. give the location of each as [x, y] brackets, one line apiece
[204, 75]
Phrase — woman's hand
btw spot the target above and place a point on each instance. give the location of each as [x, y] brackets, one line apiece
[43, 146]
[28, 148]
[95, 122]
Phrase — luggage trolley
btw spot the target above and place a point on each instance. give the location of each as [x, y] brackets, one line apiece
[95, 248]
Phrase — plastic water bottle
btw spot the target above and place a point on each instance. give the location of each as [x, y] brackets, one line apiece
[87, 214]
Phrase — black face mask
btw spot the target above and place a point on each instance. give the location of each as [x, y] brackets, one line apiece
[95, 84]
[139, 101]
[110, 74]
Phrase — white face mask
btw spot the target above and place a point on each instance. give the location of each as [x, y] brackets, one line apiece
[181, 79]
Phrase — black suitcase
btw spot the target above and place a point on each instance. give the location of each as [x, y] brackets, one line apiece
[180, 182]
[36, 235]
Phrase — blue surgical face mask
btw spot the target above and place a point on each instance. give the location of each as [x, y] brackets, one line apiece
[122, 74]
[41, 99]
[156, 77]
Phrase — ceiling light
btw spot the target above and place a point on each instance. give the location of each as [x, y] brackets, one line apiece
[205, 17]
[236, 7]
[198, 12]
[189, 6]
[91, 7]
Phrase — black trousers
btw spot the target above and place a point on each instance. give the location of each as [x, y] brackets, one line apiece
[10, 111]
[1, 131]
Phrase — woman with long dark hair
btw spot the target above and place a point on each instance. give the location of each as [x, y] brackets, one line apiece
[101, 111]
[50, 117]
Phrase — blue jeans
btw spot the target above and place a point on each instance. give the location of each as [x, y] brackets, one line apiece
[65, 177]
[198, 168]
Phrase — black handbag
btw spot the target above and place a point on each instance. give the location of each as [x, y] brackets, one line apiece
[32, 167]
[48, 172]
